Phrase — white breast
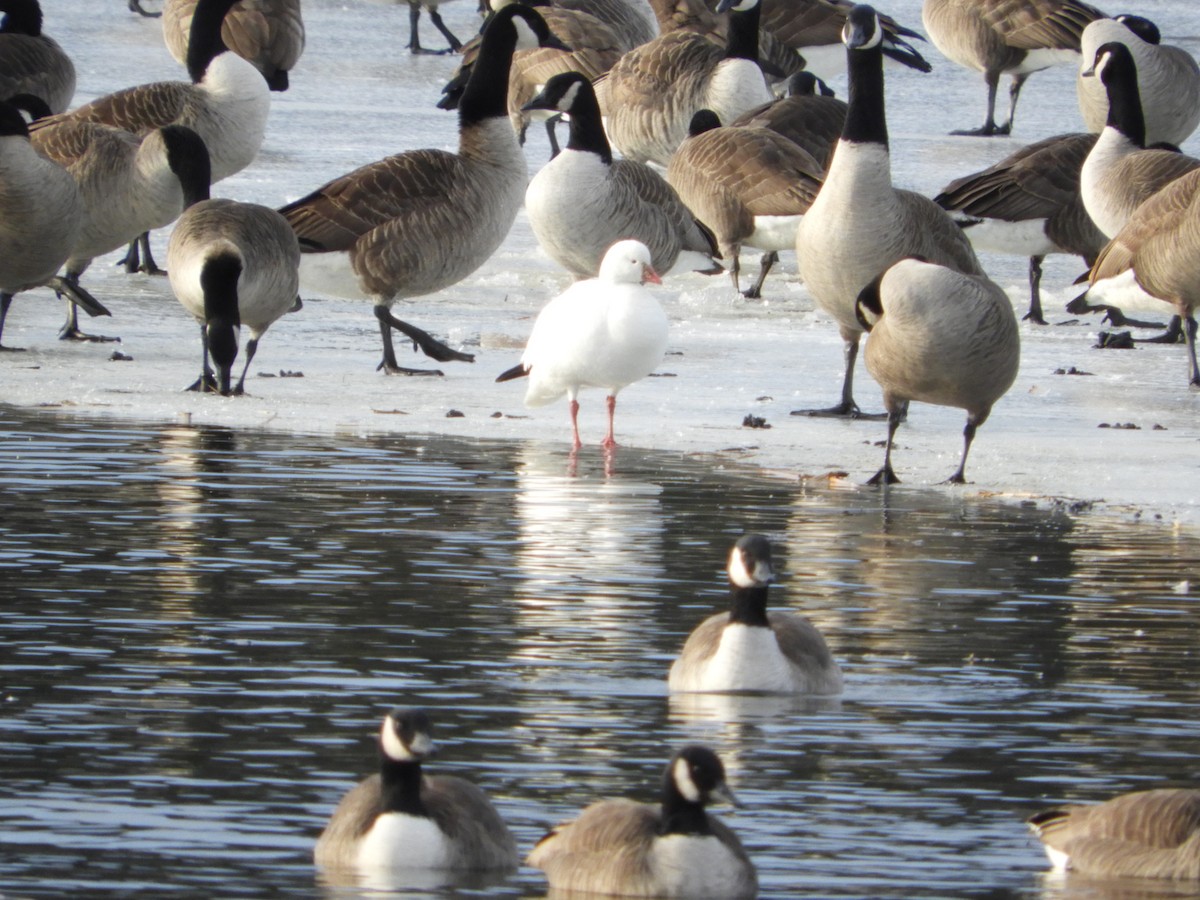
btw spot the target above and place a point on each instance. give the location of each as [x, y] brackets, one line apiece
[747, 659]
[697, 866]
[398, 840]
[736, 85]
[1098, 195]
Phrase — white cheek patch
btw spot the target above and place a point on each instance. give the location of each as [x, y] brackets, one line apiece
[682, 777]
[568, 99]
[389, 741]
[737, 570]
[526, 39]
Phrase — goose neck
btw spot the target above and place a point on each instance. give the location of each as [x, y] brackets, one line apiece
[1125, 108]
[748, 606]
[401, 787]
[586, 129]
[486, 93]
[866, 116]
[204, 39]
[741, 40]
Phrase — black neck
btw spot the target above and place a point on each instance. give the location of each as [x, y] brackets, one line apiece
[1125, 105]
[401, 787]
[681, 816]
[866, 119]
[748, 605]
[587, 130]
[204, 40]
[486, 93]
[741, 42]
[22, 17]
[218, 280]
[188, 158]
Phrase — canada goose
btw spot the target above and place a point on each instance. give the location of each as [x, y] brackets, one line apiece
[1030, 204]
[1006, 37]
[751, 186]
[636, 849]
[1120, 173]
[813, 28]
[860, 224]
[807, 116]
[749, 649]
[632, 21]
[654, 90]
[583, 201]
[31, 62]
[1168, 79]
[128, 186]
[1151, 262]
[421, 221]
[414, 18]
[269, 34]
[40, 219]
[1142, 834]
[939, 336]
[226, 103]
[403, 818]
[606, 332]
[232, 265]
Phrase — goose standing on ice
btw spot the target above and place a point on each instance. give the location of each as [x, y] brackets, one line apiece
[226, 103]
[1030, 204]
[750, 649]
[938, 336]
[269, 34]
[1007, 37]
[606, 332]
[1142, 834]
[31, 62]
[860, 224]
[41, 214]
[654, 90]
[675, 849]
[403, 818]
[751, 186]
[128, 186]
[421, 221]
[1168, 79]
[583, 201]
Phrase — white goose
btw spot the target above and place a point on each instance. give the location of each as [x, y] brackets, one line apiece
[606, 332]
[418, 222]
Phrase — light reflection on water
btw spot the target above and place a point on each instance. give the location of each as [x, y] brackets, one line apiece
[201, 627]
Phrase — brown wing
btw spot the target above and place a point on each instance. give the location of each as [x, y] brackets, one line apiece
[333, 217]
[1037, 24]
[465, 814]
[350, 820]
[800, 640]
[605, 850]
[139, 109]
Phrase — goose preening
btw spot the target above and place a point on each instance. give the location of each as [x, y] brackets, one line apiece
[226, 103]
[583, 201]
[1142, 834]
[813, 28]
[860, 224]
[808, 115]
[938, 336]
[232, 265]
[1007, 37]
[673, 849]
[128, 186]
[41, 214]
[1029, 204]
[654, 90]
[1168, 79]
[751, 186]
[269, 34]
[403, 818]
[30, 61]
[750, 649]
[606, 332]
[421, 221]
[1151, 263]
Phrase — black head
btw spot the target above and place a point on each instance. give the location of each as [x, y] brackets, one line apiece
[219, 282]
[406, 735]
[21, 17]
[862, 30]
[806, 84]
[561, 92]
[697, 776]
[703, 120]
[1113, 64]
[32, 105]
[1142, 27]
[750, 562]
[532, 30]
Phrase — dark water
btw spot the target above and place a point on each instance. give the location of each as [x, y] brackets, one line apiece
[199, 630]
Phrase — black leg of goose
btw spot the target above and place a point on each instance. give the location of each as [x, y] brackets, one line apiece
[1014, 91]
[735, 271]
[768, 259]
[886, 474]
[70, 330]
[1035, 291]
[207, 382]
[389, 365]
[1193, 368]
[989, 126]
[6, 300]
[148, 266]
[132, 258]
[847, 409]
[136, 6]
[968, 436]
[436, 18]
[1114, 316]
[1173, 335]
[251, 349]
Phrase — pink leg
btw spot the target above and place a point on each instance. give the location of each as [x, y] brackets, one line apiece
[574, 407]
[610, 440]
